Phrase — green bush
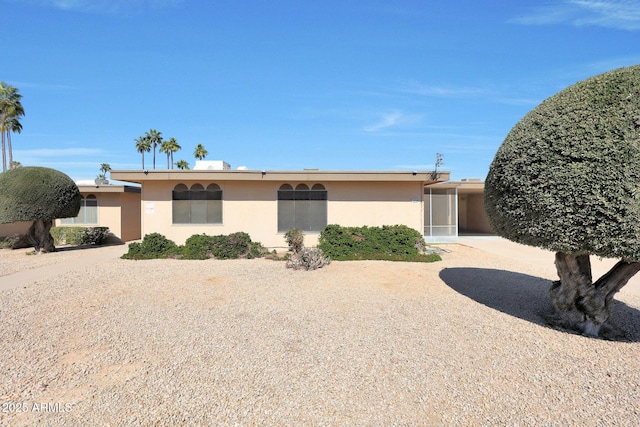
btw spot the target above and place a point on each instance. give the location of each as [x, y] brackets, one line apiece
[389, 241]
[80, 235]
[198, 246]
[15, 241]
[235, 245]
[153, 245]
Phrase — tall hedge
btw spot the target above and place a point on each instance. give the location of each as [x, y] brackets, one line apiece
[567, 176]
[32, 193]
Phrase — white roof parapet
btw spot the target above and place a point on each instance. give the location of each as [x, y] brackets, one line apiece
[215, 165]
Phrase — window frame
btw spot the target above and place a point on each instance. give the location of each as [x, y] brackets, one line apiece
[197, 204]
[302, 207]
[85, 210]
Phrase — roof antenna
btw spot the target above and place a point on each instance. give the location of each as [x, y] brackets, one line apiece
[439, 162]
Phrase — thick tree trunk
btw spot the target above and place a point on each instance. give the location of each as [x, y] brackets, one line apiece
[40, 236]
[579, 302]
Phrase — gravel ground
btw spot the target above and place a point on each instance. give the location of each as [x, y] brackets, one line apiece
[248, 342]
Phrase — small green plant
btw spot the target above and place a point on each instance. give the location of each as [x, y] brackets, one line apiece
[153, 245]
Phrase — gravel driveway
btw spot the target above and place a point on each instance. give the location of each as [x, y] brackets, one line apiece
[248, 342]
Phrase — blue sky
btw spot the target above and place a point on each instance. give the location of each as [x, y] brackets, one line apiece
[293, 84]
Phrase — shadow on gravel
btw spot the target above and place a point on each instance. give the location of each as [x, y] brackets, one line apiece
[527, 297]
[84, 247]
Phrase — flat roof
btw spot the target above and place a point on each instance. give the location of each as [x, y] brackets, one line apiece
[139, 176]
[108, 189]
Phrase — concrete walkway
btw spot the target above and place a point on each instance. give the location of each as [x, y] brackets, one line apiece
[88, 256]
[537, 256]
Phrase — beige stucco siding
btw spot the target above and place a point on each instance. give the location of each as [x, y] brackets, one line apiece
[118, 209]
[21, 227]
[375, 204]
[476, 218]
[252, 207]
[130, 217]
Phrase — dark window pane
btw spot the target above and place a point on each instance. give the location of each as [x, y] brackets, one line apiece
[317, 215]
[286, 195]
[181, 211]
[318, 195]
[214, 212]
[286, 215]
[198, 211]
[214, 194]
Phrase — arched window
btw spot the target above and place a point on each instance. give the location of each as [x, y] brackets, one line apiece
[302, 208]
[197, 205]
[88, 213]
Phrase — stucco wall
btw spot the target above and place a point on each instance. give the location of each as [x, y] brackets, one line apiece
[252, 207]
[118, 210]
[130, 217]
[14, 228]
[477, 221]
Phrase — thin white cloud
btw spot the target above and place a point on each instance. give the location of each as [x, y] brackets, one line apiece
[618, 14]
[394, 119]
[417, 88]
[108, 6]
[519, 101]
[62, 152]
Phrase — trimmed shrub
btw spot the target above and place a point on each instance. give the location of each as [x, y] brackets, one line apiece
[153, 245]
[370, 242]
[197, 246]
[566, 176]
[36, 193]
[236, 245]
[80, 235]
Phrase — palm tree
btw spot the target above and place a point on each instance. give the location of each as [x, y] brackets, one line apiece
[164, 148]
[174, 147]
[13, 125]
[104, 168]
[10, 112]
[200, 152]
[143, 145]
[169, 146]
[182, 164]
[155, 138]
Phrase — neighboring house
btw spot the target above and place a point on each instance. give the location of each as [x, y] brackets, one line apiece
[266, 204]
[113, 206]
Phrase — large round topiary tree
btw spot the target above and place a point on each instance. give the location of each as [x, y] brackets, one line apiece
[567, 179]
[40, 195]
